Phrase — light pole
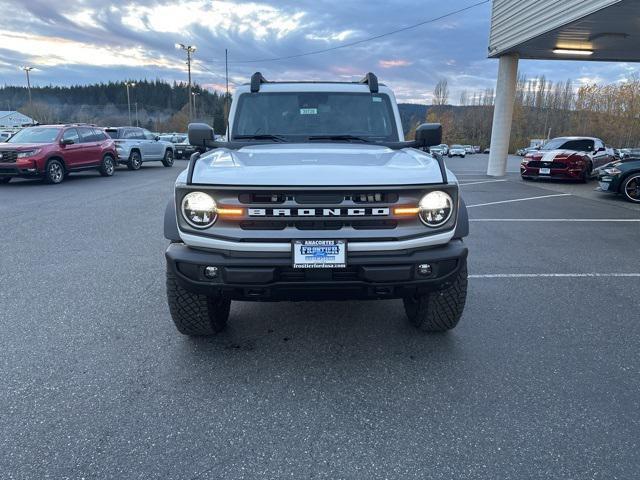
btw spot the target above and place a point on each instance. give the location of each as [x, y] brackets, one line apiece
[190, 49]
[129, 84]
[195, 105]
[27, 70]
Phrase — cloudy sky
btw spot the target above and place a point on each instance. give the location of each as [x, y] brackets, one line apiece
[86, 41]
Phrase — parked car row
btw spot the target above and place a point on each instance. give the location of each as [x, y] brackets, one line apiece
[455, 150]
[51, 152]
[584, 158]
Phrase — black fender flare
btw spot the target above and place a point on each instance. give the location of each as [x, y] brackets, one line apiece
[462, 227]
[170, 223]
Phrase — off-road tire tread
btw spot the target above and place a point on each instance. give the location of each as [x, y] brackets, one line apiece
[440, 310]
[194, 314]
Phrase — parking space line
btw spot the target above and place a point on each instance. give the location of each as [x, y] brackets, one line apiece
[555, 275]
[586, 220]
[519, 200]
[483, 181]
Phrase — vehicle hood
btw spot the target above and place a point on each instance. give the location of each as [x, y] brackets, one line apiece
[550, 155]
[316, 164]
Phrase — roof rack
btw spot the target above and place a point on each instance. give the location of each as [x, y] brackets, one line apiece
[371, 80]
[256, 80]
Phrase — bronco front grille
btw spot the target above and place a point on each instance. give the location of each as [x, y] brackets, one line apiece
[317, 210]
[8, 156]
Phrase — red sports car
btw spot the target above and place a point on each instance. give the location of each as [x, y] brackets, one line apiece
[569, 158]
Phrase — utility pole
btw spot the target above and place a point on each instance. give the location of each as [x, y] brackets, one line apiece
[195, 105]
[137, 122]
[129, 84]
[27, 70]
[190, 49]
[226, 97]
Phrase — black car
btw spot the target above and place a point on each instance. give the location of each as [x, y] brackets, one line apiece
[623, 178]
[181, 145]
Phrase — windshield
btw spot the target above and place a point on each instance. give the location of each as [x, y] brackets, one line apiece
[35, 135]
[578, 145]
[300, 115]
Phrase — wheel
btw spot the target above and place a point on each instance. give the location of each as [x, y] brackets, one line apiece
[440, 310]
[54, 172]
[526, 179]
[631, 188]
[107, 167]
[5, 180]
[194, 314]
[586, 175]
[167, 161]
[135, 161]
[462, 156]
[450, 156]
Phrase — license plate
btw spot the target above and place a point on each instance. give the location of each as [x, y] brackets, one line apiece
[319, 254]
[545, 171]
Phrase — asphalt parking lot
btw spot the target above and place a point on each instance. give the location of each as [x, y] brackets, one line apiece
[541, 379]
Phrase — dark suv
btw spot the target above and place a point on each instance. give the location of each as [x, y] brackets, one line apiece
[51, 152]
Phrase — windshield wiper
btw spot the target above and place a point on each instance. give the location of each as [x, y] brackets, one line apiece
[261, 136]
[346, 138]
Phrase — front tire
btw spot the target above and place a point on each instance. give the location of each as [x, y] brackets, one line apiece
[631, 188]
[586, 175]
[167, 161]
[108, 166]
[54, 172]
[440, 310]
[194, 314]
[135, 161]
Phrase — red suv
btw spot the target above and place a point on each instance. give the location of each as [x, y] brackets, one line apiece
[51, 152]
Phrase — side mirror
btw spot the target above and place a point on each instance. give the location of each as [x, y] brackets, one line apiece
[67, 141]
[429, 135]
[156, 138]
[200, 134]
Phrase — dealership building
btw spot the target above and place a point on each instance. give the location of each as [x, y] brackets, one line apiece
[10, 120]
[594, 30]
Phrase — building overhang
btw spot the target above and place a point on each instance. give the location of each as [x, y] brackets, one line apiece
[595, 30]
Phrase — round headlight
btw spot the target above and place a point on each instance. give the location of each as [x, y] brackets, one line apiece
[436, 208]
[199, 210]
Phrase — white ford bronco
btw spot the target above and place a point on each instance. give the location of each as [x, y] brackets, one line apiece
[315, 195]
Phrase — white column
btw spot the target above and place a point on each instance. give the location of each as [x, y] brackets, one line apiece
[502, 115]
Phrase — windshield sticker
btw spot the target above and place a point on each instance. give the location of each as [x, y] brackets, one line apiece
[308, 111]
[376, 99]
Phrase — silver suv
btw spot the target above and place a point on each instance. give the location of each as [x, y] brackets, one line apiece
[136, 145]
[315, 195]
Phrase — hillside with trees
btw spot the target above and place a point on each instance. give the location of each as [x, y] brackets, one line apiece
[542, 109]
[160, 106]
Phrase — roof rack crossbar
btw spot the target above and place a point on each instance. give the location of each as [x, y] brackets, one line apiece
[371, 80]
[256, 80]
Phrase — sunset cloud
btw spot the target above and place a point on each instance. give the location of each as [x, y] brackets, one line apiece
[394, 63]
[86, 41]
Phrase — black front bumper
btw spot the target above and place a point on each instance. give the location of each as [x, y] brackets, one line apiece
[271, 277]
[9, 170]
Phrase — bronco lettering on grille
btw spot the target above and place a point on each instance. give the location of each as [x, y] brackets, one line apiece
[318, 212]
